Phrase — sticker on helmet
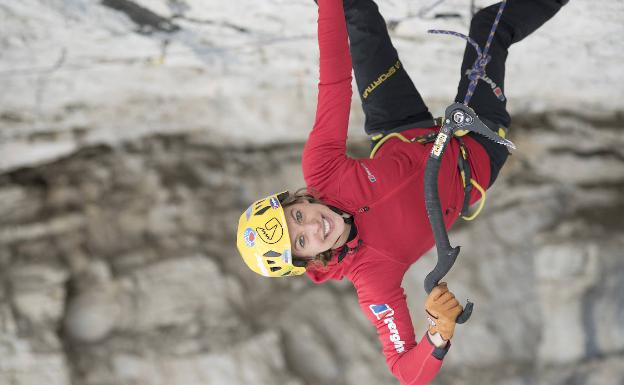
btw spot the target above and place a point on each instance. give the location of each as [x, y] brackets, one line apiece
[272, 231]
[274, 203]
[286, 256]
[250, 237]
[248, 212]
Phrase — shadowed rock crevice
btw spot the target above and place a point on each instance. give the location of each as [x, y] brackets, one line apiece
[226, 24]
[601, 153]
[147, 20]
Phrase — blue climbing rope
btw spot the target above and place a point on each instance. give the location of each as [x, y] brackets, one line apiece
[478, 68]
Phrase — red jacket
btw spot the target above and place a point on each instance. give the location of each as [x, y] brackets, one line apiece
[385, 197]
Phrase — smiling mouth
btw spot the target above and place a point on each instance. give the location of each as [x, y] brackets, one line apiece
[326, 227]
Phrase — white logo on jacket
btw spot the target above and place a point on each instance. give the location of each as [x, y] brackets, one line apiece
[371, 177]
[386, 313]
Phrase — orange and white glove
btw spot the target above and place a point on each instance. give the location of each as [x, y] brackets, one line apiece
[442, 310]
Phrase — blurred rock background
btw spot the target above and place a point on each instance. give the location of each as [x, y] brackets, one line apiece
[134, 133]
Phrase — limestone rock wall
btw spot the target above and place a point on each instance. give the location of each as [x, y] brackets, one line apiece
[119, 267]
[76, 73]
[134, 133]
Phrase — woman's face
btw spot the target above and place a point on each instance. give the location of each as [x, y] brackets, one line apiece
[314, 228]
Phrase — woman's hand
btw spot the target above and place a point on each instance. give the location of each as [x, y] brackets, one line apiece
[442, 310]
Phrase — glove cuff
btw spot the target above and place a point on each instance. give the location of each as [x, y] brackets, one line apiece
[438, 352]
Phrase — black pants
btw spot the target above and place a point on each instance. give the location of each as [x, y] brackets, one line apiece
[389, 98]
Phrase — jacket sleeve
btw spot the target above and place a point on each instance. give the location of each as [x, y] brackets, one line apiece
[324, 153]
[383, 302]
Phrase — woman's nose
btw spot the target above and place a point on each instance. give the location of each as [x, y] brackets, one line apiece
[313, 227]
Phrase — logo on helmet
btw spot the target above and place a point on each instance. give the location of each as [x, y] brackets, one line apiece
[250, 237]
[274, 203]
[272, 231]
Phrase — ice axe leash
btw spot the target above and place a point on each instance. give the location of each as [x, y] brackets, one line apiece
[478, 68]
[457, 117]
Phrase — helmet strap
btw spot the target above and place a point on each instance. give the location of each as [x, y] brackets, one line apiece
[300, 262]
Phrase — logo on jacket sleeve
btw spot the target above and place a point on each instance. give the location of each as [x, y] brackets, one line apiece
[381, 311]
[386, 313]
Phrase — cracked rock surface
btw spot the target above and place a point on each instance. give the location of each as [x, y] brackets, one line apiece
[119, 267]
[134, 133]
[85, 72]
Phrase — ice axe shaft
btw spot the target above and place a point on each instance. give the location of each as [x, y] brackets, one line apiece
[446, 254]
[457, 117]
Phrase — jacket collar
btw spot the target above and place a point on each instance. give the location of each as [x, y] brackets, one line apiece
[339, 264]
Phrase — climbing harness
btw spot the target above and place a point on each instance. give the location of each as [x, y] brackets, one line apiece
[462, 163]
[458, 120]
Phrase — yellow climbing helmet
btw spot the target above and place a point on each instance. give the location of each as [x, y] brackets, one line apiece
[262, 238]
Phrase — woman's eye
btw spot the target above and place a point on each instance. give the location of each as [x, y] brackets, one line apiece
[298, 216]
[301, 242]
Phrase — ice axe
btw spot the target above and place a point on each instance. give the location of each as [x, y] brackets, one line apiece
[457, 117]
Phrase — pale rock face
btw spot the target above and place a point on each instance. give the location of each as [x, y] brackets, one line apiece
[246, 73]
[93, 314]
[258, 360]
[177, 292]
[165, 297]
[326, 345]
[39, 292]
[129, 148]
[27, 361]
[565, 273]
[24, 367]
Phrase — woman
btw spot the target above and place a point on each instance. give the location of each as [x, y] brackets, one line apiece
[365, 219]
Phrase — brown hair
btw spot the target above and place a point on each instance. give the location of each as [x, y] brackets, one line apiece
[299, 196]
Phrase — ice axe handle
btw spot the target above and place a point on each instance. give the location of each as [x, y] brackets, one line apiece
[433, 279]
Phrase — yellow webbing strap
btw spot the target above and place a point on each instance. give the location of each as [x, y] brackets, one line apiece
[385, 138]
[464, 155]
[481, 202]
[502, 132]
